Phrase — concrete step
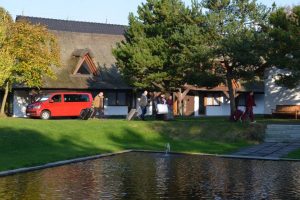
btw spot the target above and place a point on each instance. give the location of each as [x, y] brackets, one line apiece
[280, 126]
[281, 140]
[283, 132]
[288, 136]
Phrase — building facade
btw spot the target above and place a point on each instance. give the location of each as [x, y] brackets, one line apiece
[278, 95]
[89, 65]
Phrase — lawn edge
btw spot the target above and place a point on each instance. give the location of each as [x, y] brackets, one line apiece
[65, 162]
[58, 163]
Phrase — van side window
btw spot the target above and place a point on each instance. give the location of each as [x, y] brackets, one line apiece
[76, 98]
[56, 98]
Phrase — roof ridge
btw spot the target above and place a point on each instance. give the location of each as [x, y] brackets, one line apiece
[76, 26]
[24, 16]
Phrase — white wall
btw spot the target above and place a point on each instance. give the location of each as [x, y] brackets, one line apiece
[196, 106]
[277, 95]
[115, 110]
[224, 108]
[260, 104]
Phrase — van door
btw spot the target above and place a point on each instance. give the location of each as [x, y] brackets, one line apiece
[75, 103]
[55, 105]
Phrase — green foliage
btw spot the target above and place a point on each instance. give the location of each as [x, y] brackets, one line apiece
[27, 53]
[238, 40]
[285, 46]
[35, 51]
[6, 59]
[238, 37]
[164, 46]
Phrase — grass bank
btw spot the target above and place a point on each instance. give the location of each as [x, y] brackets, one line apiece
[294, 154]
[29, 142]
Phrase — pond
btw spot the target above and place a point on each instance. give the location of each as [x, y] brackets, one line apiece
[137, 175]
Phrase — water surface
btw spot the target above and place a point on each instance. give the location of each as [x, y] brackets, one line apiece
[157, 176]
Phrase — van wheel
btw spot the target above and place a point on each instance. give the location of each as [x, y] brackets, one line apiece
[45, 114]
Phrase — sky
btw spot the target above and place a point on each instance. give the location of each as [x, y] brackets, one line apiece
[102, 11]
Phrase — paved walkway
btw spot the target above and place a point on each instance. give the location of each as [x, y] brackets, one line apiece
[269, 150]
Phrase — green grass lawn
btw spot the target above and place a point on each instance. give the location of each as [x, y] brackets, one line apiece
[29, 142]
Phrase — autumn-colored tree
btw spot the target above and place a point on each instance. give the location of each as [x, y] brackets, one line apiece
[6, 59]
[33, 52]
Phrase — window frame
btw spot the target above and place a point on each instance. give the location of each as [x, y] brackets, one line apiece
[79, 95]
[116, 101]
[216, 99]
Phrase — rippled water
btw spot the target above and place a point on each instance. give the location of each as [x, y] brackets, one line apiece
[157, 176]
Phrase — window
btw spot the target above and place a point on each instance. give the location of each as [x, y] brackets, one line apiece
[43, 98]
[56, 98]
[213, 100]
[85, 66]
[116, 98]
[84, 69]
[121, 98]
[241, 100]
[111, 98]
[76, 98]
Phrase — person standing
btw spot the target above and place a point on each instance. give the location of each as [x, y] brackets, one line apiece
[170, 107]
[143, 104]
[98, 104]
[249, 107]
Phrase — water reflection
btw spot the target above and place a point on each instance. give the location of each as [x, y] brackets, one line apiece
[153, 176]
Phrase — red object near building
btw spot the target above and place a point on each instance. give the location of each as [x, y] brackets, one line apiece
[60, 104]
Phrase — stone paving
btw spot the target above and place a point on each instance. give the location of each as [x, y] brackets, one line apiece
[268, 150]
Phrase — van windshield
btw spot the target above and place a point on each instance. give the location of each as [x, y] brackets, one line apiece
[43, 98]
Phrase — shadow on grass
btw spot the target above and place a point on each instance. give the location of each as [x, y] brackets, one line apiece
[26, 147]
[210, 129]
[134, 140]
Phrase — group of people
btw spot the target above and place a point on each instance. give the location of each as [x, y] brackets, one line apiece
[248, 113]
[163, 107]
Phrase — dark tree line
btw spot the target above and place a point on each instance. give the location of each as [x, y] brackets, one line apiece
[213, 41]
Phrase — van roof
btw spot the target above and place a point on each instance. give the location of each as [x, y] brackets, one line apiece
[69, 92]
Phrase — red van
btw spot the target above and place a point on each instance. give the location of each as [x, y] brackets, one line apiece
[60, 104]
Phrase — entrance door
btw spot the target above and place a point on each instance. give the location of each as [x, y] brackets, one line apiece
[188, 105]
[202, 104]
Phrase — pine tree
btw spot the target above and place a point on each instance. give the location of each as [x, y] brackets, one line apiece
[239, 41]
[164, 46]
[285, 46]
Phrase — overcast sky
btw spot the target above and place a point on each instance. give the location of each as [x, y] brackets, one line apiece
[103, 11]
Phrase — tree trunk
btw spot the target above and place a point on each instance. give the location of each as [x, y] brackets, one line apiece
[4, 99]
[231, 91]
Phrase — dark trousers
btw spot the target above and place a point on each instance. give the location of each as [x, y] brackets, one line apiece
[144, 111]
[248, 113]
[98, 112]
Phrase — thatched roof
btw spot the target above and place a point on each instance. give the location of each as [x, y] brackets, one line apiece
[77, 39]
[75, 26]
